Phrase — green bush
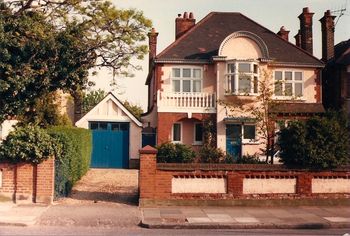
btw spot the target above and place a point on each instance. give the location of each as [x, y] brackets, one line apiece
[73, 160]
[175, 153]
[249, 159]
[318, 143]
[29, 144]
[210, 154]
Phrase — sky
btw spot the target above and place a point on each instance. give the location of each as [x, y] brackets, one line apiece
[272, 14]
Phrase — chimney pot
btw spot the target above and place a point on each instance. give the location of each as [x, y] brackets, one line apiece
[185, 15]
[306, 10]
[179, 15]
[191, 15]
[283, 33]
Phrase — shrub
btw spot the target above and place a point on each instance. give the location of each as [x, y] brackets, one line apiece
[318, 143]
[73, 161]
[249, 159]
[175, 153]
[210, 154]
[29, 144]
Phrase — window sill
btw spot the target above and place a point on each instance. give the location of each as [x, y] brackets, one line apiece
[242, 94]
[250, 142]
[289, 98]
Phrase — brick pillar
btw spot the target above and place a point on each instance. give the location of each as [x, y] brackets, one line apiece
[148, 166]
[24, 182]
[304, 184]
[235, 184]
[45, 181]
[327, 26]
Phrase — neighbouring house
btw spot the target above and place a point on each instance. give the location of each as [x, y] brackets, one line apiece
[116, 134]
[220, 60]
[6, 127]
[336, 74]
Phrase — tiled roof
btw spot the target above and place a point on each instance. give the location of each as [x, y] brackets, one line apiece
[300, 108]
[202, 42]
[342, 53]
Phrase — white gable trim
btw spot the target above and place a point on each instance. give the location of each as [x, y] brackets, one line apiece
[110, 96]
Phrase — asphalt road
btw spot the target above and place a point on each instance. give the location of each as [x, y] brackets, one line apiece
[87, 231]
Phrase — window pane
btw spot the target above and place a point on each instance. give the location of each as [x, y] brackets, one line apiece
[244, 67]
[115, 127]
[198, 132]
[244, 84]
[231, 68]
[176, 72]
[278, 75]
[256, 84]
[186, 86]
[298, 76]
[298, 89]
[255, 69]
[124, 126]
[278, 89]
[249, 132]
[288, 75]
[233, 88]
[93, 125]
[197, 73]
[186, 73]
[197, 86]
[288, 91]
[177, 132]
[176, 85]
[102, 126]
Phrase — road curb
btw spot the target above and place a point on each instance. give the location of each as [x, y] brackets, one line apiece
[316, 225]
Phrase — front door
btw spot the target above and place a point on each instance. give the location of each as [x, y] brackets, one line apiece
[234, 140]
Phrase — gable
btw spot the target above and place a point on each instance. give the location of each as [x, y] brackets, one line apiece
[109, 109]
[203, 41]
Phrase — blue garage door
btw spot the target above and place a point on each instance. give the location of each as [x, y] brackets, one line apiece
[110, 145]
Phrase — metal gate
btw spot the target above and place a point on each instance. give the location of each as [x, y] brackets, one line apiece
[110, 144]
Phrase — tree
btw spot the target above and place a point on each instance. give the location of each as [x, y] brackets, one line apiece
[48, 45]
[134, 109]
[318, 143]
[91, 99]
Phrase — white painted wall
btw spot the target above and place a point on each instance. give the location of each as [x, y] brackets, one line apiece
[198, 185]
[338, 185]
[6, 127]
[271, 185]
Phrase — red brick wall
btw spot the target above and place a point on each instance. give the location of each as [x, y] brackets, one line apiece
[155, 182]
[27, 182]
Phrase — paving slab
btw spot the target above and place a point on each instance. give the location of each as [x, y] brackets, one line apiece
[221, 218]
[22, 215]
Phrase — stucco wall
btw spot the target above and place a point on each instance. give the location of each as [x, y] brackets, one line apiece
[336, 185]
[271, 185]
[198, 185]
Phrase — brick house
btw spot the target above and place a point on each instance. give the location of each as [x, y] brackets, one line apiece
[336, 74]
[222, 58]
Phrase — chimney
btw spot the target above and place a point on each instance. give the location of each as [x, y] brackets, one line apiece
[327, 26]
[298, 39]
[283, 33]
[152, 46]
[306, 30]
[183, 24]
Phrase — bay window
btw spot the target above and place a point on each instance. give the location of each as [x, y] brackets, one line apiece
[186, 80]
[288, 83]
[242, 78]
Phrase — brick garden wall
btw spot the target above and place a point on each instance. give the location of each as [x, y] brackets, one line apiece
[157, 181]
[27, 182]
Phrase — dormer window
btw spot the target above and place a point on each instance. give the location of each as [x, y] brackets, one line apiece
[242, 78]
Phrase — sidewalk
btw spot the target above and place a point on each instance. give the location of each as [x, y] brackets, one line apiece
[302, 217]
[20, 215]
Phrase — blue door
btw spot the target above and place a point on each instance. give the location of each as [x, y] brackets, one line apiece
[110, 145]
[234, 140]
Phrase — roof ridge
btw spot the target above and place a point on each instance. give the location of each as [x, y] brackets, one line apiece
[185, 34]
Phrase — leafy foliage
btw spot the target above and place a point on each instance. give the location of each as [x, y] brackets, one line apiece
[91, 99]
[318, 143]
[175, 153]
[210, 154]
[73, 159]
[44, 48]
[249, 159]
[29, 144]
[134, 109]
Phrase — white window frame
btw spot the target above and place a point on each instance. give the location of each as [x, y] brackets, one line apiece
[181, 132]
[236, 74]
[195, 142]
[293, 82]
[191, 78]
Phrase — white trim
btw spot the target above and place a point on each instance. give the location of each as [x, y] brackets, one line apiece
[110, 96]
[292, 81]
[181, 132]
[191, 78]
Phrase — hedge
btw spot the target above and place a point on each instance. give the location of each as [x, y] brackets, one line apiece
[73, 161]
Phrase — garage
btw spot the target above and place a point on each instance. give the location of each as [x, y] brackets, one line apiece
[116, 134]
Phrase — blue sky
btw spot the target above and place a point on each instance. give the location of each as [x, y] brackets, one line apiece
[270, 13]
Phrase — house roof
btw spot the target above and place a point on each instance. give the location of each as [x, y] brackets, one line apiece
[300, 108]
[342, 52]
[111, 96]
[202, 42]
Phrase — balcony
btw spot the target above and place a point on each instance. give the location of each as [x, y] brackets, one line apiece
[186, 102]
